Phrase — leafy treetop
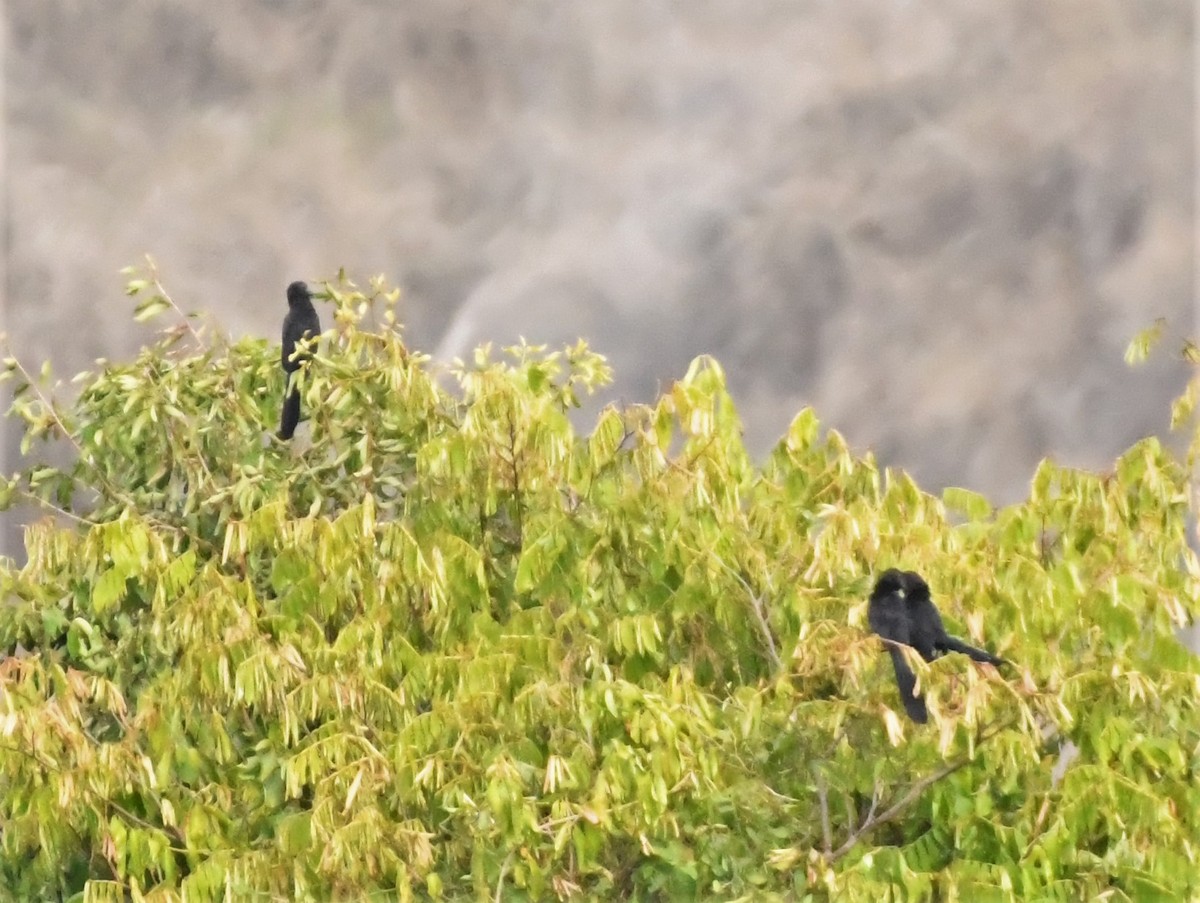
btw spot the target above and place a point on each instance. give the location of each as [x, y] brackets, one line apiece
[453, 649]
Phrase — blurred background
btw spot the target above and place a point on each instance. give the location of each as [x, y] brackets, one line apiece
[938, 223]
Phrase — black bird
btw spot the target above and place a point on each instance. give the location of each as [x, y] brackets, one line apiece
[901, 611]
[300, 323]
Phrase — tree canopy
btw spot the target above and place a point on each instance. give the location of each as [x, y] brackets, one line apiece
[449, 647]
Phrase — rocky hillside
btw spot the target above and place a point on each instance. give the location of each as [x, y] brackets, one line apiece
[938, 223]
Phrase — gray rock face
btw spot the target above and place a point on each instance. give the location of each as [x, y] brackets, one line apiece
[937, 223]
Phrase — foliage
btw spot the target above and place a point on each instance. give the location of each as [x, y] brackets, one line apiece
[453, 650]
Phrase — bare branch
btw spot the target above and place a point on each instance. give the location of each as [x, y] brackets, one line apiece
[914, 792]
[162, 293]
[500, 881]
[50, 506]
[760, 615]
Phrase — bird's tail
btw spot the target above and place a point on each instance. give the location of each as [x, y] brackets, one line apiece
[979, 655]
[291, 414]
[914, 704]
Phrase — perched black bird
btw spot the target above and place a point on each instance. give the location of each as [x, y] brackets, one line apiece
[901, 611]
[300, 323]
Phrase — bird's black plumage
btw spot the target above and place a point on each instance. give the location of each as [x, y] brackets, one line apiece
[901, 611]
[300, 323]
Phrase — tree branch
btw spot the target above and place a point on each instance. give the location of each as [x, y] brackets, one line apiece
[823, 796]
[760, 615]
[873, 821]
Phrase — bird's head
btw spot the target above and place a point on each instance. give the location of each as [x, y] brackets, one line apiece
[297, 293]
[915, 586]
[890, 582]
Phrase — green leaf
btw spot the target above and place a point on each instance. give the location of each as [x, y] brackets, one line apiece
[1140, 345]
[150, 308]
[972, 505]
[108, 590]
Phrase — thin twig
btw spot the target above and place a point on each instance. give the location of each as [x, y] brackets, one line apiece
[50, 506]
[35, 756]
[756, 606]
[47, 403]
[162, 293]
[823, 796]
[500, 881]
[1038, 823]
[52, 410]
[876, 796]
[851, 812]
[783, 798]
[516, 478]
